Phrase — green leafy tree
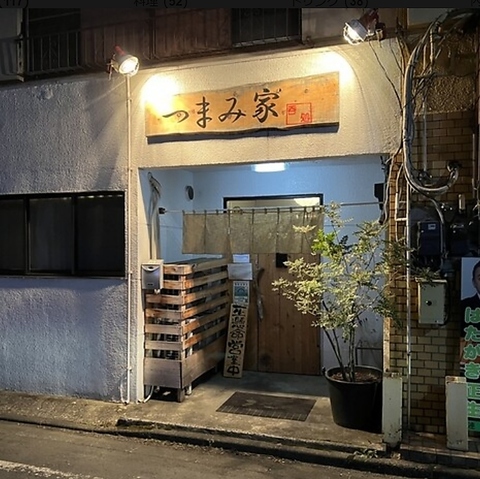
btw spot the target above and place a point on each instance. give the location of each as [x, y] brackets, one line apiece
[347, 281]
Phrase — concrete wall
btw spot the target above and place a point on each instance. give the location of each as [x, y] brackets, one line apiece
[63, 336]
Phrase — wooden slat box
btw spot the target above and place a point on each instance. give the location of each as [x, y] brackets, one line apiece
[186, 324]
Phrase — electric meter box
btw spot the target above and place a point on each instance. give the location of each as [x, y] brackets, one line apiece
[431, 302]
[152, 274]
[429, 238]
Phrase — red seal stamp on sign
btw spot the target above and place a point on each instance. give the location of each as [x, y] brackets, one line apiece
[299, 114]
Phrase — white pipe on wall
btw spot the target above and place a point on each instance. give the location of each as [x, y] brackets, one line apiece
[129, 237]
[409, 306]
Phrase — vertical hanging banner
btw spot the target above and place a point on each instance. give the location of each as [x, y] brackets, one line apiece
[236, 338]
[470, 337]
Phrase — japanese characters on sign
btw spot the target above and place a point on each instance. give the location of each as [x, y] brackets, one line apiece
[471, 360]
[470, 339]
[241, 290]
[237, 336]
[294, 103]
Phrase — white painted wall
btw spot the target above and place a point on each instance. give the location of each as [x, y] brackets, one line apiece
[63, 336]
[369, 109]
[75, 336]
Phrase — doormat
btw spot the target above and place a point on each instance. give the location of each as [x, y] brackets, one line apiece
[264, 405]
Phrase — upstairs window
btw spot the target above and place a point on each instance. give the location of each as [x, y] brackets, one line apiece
[257, 26]
[53, 39]
[65, 235]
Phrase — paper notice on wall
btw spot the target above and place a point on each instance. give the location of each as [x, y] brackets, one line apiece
[241, 292]
[240, 271]
[241, 258]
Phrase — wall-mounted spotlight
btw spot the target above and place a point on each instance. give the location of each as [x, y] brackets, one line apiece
[366, 27]
[123, 63]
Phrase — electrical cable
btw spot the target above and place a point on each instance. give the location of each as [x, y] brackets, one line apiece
[153, 234]
[394, 88]
[409, 98]
[154, 231]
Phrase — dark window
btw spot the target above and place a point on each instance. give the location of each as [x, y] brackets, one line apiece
[12, 235]
[50, 225]
[99, 227]
[73, 235]
[252, 26]
[53, 39]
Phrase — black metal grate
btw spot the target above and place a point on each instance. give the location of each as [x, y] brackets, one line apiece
[258, 26]
[53, 43]
[66, 41]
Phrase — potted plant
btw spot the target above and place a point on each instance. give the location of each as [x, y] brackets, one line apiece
[338, 288]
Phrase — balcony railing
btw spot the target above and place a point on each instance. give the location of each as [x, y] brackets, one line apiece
[152, 40]
[161, 35]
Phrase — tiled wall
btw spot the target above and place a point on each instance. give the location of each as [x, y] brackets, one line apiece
[434, 350]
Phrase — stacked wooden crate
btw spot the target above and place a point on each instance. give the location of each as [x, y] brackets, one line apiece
[186, 324]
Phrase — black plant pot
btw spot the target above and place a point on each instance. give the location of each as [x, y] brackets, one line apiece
[356, 405]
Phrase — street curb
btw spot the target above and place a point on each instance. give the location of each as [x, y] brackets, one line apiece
[322, 453]
[318, 452]
[324, 445]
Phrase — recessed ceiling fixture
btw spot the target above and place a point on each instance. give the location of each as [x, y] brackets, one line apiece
[268, 167]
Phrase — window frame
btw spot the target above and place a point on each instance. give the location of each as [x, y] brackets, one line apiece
[53, 43]
[240, 32]
[73, 247]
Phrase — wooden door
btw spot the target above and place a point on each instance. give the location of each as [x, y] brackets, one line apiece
[281, 340]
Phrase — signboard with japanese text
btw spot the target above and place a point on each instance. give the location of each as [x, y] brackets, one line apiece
[237, 335]
[470, 337]
[241, 292]
[294, 103]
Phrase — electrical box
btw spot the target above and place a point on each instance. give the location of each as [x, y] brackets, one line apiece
[429, 238]
[431, 302]
[458, 240]
[152, 274]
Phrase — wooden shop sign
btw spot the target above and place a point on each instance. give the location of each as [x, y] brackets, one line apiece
[294, 103]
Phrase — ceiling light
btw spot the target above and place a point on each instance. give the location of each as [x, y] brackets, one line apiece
[268, 167]
[357, 31]
[123, 63]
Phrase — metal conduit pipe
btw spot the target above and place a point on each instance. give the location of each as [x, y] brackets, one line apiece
[409, 309]
[130, 289]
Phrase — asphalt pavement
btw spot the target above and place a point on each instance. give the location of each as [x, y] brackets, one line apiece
[196, 420]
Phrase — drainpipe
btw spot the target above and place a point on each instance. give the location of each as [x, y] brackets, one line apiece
[409, 306]
[129, 236]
